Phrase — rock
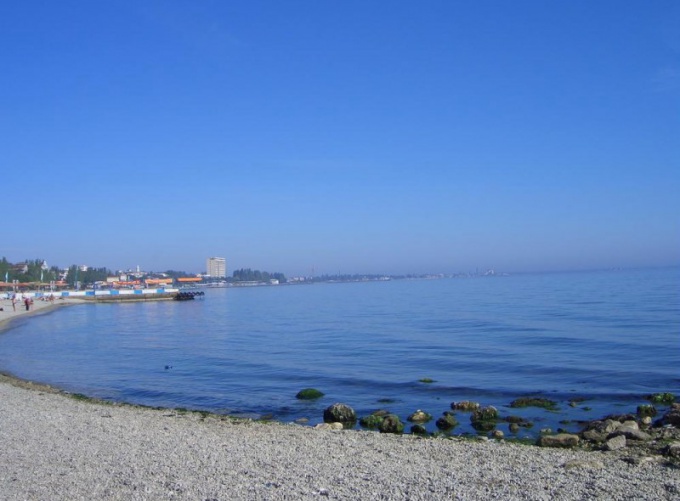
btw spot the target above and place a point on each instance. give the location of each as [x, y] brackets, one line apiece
[446, 422]
[489, 413]
[560, 440]
[302, 420]
[672, 417]
[667, 434]
[391, 424]
[484, 426]
[418, 429]
[497, 434]
[419, 417]
[465, 406]
[594, 436]
[484, 419]
[620, 418]
[597, 431]
[309, 394]
[631, 433]
[609, 425]
[672, 450]
[646, 410]
[661, 398]
[534, 402]
[329, 426]
[646, 421]
[514, 427]
[615, 443]
[340, 413]
[371, 421]
[518, 420]
[631, 424]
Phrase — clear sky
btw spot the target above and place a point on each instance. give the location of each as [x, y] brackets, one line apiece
[348, 137]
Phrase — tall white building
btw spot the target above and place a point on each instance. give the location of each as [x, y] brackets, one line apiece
[216, 267]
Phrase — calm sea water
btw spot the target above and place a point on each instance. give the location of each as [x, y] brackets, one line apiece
[608, 337]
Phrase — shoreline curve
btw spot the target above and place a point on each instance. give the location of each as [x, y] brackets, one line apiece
[57, 447]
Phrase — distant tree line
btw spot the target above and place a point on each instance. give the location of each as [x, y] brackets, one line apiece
[90, 276]
[34, 271]
[248, 275]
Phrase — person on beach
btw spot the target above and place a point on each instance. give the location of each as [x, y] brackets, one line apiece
[27, 302]
[14, 302]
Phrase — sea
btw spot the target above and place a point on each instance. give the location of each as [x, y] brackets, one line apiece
[596, 343]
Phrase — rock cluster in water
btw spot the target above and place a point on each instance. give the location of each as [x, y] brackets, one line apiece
[634, 432]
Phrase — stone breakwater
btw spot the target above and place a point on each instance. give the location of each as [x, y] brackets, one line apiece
[54, 446]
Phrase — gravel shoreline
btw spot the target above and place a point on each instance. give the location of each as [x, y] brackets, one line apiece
[54, 447]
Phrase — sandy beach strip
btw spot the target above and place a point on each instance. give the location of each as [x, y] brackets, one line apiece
[57, 447]
[8, 314]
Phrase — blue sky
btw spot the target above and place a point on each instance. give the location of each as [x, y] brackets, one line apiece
[350, 137]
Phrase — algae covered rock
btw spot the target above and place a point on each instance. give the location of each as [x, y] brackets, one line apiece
[646, 410]
[418, 429]
[372, 421]
[484, 418]
[391, 424]
[419, 417]
[534, 402]
[661, 398]
[465, 406]
[309, 394]
[489, 413]
[339, 413]
[446, 422]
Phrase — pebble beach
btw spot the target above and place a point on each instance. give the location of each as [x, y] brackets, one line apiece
[55, 446]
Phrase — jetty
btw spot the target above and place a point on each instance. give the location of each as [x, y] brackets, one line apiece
[107, 295]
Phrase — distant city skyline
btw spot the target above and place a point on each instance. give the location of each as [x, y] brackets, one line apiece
[342, 138]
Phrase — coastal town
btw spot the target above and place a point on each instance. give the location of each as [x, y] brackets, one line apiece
[38, 276]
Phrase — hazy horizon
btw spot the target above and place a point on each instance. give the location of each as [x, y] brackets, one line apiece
[342, 138]
[313, 272]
